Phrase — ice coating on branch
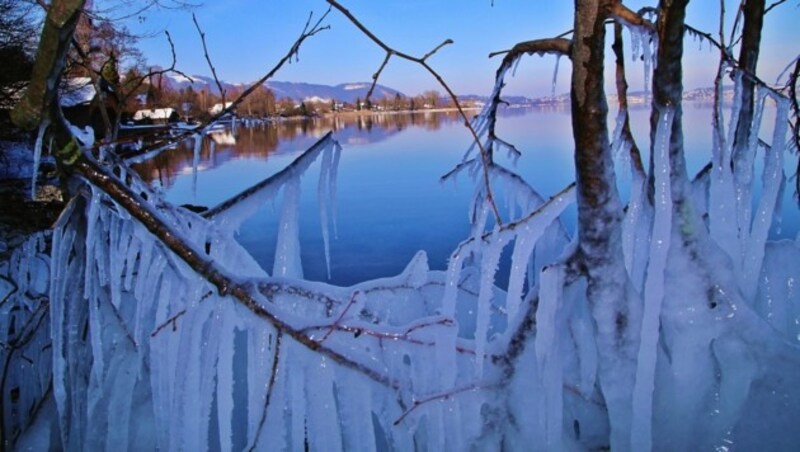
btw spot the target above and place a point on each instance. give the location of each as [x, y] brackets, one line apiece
[231, 213]
[489, 263]
[641, 429]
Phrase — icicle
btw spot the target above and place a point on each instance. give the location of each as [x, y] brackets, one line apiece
[91, 237]
[287, 247]
[489, 264]
[516, 65]
[323, 427]
[641, 429]
[523, 250]
[636, 42]
[297, 397]
[616, 138]
[548, 355]
[37, 157]
[446, 341]
[647, 56]
[324, 185]
[198, 141]
[555, 78]
[224, 374]
[632, 228]
[332, 189]
[744, 170]
[355, 398]
[723, 221]
[772, 180]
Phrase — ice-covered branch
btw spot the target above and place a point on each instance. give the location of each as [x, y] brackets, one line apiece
[558, 46]
[226, 284]
[550, 210]
[234, 209]
[622, 13]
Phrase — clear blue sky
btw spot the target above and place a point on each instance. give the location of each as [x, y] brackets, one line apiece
[246, 37]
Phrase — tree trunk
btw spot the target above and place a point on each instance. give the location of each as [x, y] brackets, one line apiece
[748, 60]
[57, 32]
[600, 220]
[667, 94]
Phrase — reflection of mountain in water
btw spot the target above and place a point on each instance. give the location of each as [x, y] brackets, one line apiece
[262, 139]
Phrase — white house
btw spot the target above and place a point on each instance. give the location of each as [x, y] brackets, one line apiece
[217, 108]
[156, 115]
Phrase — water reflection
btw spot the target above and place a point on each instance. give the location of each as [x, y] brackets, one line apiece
[390, 201]
[260, 140]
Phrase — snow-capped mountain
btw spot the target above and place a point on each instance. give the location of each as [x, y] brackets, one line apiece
[345, 92]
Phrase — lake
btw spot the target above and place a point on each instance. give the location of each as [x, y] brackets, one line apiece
[390, 202]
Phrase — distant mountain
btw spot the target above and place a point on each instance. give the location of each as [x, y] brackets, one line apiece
[346, 92]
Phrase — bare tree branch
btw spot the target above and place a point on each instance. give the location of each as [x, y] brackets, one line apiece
[769, 8]
[308, 31]
[423, 62]
[442, 396]
[208, 59]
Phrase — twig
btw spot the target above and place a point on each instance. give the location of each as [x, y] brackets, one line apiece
[208, 59]
[733, 62]
[442, 396]
[769, 8]
[404, 336]
[335, 324]
[172, 320]
[376, 75]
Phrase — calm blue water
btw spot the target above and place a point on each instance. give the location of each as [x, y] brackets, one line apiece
[390, 201]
